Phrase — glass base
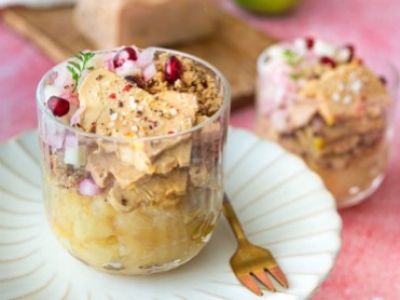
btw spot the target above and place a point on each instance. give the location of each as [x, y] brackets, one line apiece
[363, 195]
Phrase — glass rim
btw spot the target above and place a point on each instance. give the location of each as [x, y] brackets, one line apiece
[226, 99]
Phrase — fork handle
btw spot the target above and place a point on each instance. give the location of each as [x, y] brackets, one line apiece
[233, 220]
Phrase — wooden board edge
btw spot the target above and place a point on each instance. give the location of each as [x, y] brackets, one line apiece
[45, 43]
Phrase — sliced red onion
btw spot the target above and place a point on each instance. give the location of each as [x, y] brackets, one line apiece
[129, 64]
[51, 90]
[71, 140]
[322, 48]
[76, 117]
[52, 78]
[52, 134]
[99, 60]
[343, 54]
[75, 156]
[146, 57]
[64, 78]
[300, 45]
[88, 187]
[149, 72]
[266, 106]
[73, 98]
[129, 67]
[55, 140]
[109, 64]
[275, 52]
[279, 119]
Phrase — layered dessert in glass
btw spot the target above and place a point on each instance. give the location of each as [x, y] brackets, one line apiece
[132, 144]
[332, 108]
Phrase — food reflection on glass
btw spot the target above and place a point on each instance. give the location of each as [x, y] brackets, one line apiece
[132, 143]
[325, 104]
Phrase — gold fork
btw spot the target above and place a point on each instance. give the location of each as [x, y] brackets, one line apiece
[250, 260]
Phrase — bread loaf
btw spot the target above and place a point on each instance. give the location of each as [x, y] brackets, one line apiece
[145, 22]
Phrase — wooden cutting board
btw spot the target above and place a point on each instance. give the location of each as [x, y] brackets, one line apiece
[233, 49]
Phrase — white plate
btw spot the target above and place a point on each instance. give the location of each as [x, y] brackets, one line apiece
[282, 204]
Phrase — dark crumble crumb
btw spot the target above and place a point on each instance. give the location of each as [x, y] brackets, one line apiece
[67, 176]
[194, 79]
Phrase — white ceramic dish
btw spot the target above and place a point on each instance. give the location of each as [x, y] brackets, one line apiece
[283, 206]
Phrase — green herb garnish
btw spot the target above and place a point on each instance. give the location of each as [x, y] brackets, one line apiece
[76, 68]
[298, 75]
[292, 58]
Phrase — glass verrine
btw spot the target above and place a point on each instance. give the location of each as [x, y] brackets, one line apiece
[134, 186]
[331, 108]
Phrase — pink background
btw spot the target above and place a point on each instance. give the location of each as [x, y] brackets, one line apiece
[368, 266]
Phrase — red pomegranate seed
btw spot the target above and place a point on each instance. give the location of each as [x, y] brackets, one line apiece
[123, 55]
[173, 69]
[325, 60]
[309, 42]
[135, 80]
[351, 51]
[383, 80]
[58, 106]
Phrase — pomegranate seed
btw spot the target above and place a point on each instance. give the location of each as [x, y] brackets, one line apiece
[309, 42]
[58, 106]
[325, 60]
[135, 80]
[123, 55]
[173, 69]
[351, 51]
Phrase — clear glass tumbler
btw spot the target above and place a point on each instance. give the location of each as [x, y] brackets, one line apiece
[134, 205]
[340, 124]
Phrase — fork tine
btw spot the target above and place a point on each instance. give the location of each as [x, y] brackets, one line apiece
[249, 282]
[277, 273]
[251, 262]
[263, 278]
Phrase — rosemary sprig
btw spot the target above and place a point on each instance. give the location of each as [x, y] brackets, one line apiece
[76, 68]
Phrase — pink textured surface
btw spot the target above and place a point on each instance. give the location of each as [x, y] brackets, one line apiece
[368, 266]
[21, 67]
